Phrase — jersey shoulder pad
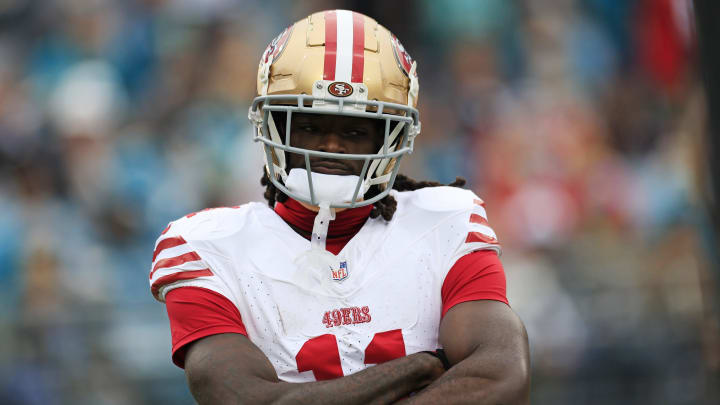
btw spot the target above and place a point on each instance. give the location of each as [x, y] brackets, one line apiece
[442, 199]
[211, 223]
[457, 215]
[185, 252]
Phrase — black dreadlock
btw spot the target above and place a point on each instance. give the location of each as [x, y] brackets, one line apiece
[384, 207]
[272, 193]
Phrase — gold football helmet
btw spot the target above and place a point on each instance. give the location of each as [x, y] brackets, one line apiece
[344, 63]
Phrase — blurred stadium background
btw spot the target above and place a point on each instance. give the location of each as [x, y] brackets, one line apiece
[580, 122]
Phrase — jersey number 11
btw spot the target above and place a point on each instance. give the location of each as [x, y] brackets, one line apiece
[321, 356]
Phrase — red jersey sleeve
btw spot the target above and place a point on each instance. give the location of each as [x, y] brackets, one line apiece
[476, 276]
[195, 313]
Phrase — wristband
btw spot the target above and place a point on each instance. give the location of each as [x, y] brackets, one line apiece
[440, 354]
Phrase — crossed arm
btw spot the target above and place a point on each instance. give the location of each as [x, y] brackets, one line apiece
[484, 340]
[229, 369]
[488, 345]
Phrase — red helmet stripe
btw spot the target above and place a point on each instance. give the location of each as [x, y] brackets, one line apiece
[330, 45]
[344, 46]
[358, 59]
[344, 58]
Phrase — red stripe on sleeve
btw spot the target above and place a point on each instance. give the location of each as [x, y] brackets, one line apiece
[196, 313]
[175, 261]
[478, 219]
[479, 237]
[330, 45]
[171, 278]
[479, 202]
[358, 59]
[476, 276]
[167, 244]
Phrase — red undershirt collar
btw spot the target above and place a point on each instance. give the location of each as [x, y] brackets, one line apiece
[347, 223]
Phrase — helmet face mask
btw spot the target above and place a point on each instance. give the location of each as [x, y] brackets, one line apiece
[331, 133]
[285, 92]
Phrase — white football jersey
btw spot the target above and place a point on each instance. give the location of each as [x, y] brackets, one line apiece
[380, 300]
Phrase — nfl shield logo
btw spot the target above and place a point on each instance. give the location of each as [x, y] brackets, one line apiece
[341, 273]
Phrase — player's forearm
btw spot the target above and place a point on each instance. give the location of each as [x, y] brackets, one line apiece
[223, 382]
[469, 390]
[469, 382]
[381, 384]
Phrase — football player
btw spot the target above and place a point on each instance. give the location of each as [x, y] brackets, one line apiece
[353, 284]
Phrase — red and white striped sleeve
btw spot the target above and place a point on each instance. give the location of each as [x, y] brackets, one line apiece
[177, 262]
[174, 261]
[479, 235]
[475, 271]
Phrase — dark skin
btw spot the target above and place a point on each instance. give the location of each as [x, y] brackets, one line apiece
[484, 340]
[487, 345]
[335, 134]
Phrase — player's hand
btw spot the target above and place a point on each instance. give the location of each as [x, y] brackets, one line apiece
[440, 354]
[433, 366]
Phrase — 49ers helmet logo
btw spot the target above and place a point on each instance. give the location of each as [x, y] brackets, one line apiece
[401, 56]
[340, 89]
[276, 46]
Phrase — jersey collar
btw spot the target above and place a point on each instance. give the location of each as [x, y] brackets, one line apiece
[347, 223]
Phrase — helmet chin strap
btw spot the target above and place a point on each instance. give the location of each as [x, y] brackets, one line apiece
[326, 189]
[316, 265]
[317, 260]
[321, 225]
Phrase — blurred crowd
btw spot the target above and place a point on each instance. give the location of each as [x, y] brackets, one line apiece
[579, 122]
